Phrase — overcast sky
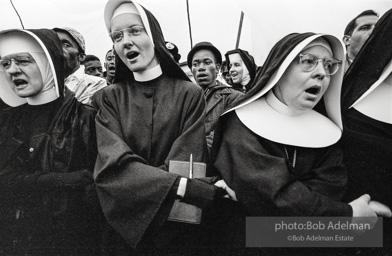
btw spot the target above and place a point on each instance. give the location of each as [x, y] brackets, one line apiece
[217, 21]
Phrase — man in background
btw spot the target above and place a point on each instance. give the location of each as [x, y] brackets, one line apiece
[92, 66]
[357, 32]
[74, 48]
[204, 60]
[110, 66]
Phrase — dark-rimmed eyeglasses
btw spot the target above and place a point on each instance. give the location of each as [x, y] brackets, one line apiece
[118, 35]
[21, 61]
[308, 62]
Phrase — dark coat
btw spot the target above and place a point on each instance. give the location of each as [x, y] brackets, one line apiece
[218, 99]
[48, 199]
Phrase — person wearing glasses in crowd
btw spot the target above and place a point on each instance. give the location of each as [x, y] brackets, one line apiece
[48, 199]
[287, 161]
[151, 115]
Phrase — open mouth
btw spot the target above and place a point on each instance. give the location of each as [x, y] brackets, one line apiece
[132, 55]
[112, 68]
[18, 82]
[201, 76]
[313, 90]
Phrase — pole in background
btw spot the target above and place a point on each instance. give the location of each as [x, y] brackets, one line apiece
[189, 22]
[239, 31]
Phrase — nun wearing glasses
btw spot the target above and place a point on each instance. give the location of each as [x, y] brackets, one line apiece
[151, 114]
[48, 146]
[277, 148]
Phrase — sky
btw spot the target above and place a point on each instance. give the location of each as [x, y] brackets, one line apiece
[216, 21]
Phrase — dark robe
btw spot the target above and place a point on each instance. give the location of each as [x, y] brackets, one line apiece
[367, 142]
[141, 126]
[270, 178]
[48, 200]
[265, 180]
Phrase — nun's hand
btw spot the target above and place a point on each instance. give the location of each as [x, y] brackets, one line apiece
[380, 209]
[230, 193]
[363, 213]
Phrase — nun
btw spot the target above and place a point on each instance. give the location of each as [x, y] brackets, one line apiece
[367, 119]
[277, 149]
[48, 146]
[151, 114]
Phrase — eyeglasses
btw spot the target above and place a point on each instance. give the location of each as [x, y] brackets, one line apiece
[23, 61]
[308, 62]
[118, 35]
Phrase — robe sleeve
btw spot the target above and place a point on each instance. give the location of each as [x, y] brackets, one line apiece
[258, 171]
[131, 191]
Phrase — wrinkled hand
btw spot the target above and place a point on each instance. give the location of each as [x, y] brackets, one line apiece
[201, 193]
[230, 193]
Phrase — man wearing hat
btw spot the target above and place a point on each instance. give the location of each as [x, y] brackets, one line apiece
[204, 60]
[74, 48]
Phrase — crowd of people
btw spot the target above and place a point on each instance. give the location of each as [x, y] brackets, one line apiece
[87, 153]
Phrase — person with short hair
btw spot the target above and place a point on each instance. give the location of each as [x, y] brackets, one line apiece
[356, 33]
[92, 66]
[204, 59]
[110, 66]
[83, 85]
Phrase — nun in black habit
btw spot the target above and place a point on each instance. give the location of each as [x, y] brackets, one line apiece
[367, 119]
[277, 148]
[151, 115]
[48, 151]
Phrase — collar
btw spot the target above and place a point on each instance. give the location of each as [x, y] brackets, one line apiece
[149, 74]
[269, 119]
[376, 101]
[43, 97]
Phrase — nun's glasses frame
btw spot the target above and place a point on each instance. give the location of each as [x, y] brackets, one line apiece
[20, 61]
[309, 62]
[118, 35]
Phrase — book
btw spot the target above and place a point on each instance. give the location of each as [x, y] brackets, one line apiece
[183, 212]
